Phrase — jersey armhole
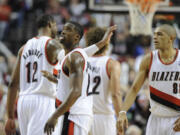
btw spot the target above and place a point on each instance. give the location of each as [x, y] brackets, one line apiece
[150, 63]
[58, 102]
[53, 64]
[107, 71]
[63, 62]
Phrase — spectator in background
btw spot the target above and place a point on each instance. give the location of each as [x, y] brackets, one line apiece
[59, 12]
[5, 12]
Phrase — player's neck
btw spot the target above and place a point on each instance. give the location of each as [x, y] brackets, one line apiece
[167, 54]
[69, 49]
[42, 32]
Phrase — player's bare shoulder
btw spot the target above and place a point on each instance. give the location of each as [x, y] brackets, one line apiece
[54, 43]
[146, 62]
[76, 60]
[52, 49]
[21, 51]
[113, 66]
[113, 63]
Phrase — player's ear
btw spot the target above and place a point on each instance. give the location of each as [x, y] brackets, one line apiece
[77, 37]
[172, 38]
[49, 24]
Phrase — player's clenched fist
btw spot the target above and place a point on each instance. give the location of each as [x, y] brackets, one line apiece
[10, 127]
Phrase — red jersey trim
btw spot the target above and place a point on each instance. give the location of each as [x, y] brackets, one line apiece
[164, 96]
[169, 62]
[58, 102]
[46, 54]
[71, 128]
[107, 71]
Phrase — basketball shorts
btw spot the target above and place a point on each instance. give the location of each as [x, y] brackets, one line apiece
[161, 125]
[76, 124]
[103, 125]
[33, 113]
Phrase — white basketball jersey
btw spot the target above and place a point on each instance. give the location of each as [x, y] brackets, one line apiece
[83, 105]
[102, 102]
[33, 60]
[164, 84]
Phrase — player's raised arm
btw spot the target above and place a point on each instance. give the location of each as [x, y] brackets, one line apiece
[131, 95]
[91, 50]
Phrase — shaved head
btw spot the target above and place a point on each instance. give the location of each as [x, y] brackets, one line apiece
[168, 29]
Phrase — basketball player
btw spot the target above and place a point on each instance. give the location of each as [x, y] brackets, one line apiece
[161, 66]
[105, 80]
[73, 83]
[36, 92]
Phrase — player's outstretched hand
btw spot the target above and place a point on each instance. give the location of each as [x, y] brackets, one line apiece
[50, 125]
[107, 37]
[109, 32]
[177, 125]
[122, 123]
[10, 127]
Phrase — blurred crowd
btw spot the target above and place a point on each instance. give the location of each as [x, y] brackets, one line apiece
[17, 25]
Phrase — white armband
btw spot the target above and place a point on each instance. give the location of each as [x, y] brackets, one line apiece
[91, 50]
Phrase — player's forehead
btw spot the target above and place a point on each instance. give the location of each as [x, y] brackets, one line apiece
[69, 25]
[159, 30]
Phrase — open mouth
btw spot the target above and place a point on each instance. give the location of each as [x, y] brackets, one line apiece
[155, 42]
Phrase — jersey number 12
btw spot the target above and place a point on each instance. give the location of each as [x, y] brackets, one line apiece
[29, 72]
[96, 80]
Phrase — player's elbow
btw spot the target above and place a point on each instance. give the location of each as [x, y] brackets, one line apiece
[116, 95]
[13, 85]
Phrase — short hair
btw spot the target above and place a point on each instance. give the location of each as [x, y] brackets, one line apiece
[94, 35]
[170, 30]
[78, 28]
[44, 20]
